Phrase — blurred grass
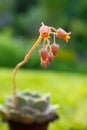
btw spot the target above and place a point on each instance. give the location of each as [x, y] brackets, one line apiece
[69, 90]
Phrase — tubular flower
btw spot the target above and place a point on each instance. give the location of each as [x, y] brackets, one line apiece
[45, 31]
[62, 34]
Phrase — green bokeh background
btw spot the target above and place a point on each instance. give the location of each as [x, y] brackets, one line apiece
[66, 77]
[20, 21]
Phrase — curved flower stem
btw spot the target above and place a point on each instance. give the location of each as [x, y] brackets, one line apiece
[22, 63]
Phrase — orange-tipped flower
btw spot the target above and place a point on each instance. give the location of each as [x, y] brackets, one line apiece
[45, 31]
[62, 34]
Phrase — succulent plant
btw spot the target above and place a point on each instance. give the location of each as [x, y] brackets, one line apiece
[30, 108]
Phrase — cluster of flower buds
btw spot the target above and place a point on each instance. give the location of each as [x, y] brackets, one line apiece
[50, 51]
[47, 54]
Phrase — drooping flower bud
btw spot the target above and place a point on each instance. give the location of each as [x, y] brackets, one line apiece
[45, 64]
[54, 49]
[50, 57]
[43, 54]
[63, 34]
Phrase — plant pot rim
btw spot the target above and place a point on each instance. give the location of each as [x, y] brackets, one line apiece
[13, 125]
[20, 122]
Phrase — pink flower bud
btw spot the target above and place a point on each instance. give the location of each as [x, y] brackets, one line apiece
[62, 34]
[45, 64]
[45, 31]
[54, 49]
[50, 57]
[44, 54]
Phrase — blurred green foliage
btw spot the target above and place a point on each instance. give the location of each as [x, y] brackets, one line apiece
[6, 6]
[25, 20]
[11, 51]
